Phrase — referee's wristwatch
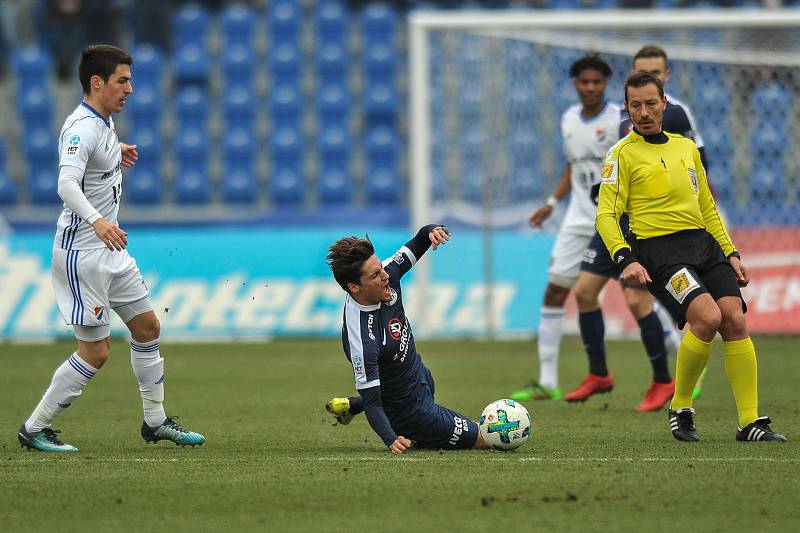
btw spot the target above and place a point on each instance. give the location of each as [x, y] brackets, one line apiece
[734, 254]
[624, 257]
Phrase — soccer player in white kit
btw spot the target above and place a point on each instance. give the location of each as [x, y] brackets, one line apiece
[92, 271]
[588, 130]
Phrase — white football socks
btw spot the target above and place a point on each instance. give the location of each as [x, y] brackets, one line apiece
[68, 383]
[149, 369]
[551, 327]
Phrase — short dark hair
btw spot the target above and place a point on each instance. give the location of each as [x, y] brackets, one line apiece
[640, 79]
[591, 61]
[347, 256]
[100, 60]
[651, 50]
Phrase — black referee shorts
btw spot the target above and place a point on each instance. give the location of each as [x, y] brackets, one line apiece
[684, 265]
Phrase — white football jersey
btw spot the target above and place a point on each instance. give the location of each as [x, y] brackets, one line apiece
[89, 143]
[585, 145]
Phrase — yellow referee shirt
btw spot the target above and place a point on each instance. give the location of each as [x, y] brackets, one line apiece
[663, 189]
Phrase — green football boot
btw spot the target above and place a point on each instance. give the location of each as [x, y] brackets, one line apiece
[535, 391]
[44, 440]
[340, 409]
[172, 432]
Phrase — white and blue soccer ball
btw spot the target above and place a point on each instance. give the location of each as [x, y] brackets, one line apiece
[505, 424]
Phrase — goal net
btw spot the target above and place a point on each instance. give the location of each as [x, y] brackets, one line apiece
[487, 92]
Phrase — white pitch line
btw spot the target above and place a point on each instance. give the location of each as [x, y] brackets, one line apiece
[424, 459]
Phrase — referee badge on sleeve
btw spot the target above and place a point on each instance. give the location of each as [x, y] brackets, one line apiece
[609, 172]
[681, 284]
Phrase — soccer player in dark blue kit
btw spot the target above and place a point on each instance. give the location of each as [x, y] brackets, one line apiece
[396, 390]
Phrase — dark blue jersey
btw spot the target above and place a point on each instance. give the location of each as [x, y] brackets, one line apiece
[379, 343]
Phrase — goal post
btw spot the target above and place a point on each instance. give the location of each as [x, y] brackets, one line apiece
[487, 88]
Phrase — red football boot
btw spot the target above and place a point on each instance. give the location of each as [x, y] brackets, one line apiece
[590, 386]
[657, 396]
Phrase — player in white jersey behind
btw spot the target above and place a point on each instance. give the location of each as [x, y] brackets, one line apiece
[588, 130]
[92, 270]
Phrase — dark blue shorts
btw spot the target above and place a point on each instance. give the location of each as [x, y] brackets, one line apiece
[597, 260]
[431, 425]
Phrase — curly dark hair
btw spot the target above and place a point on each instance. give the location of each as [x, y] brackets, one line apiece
[346, 258]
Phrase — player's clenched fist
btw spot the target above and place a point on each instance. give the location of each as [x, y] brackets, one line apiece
[439, 236]
[400, 445]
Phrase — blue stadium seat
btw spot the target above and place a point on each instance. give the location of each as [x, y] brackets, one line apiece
[239, 143]
[238, 23]
[143, 186]
[148, 66]
[192, 65]
[39, 143]
[284, 17]
[334, 186]
[771, 100]
[527, 183]
[238, 64]
[333, 100]
[332, 17]
[472, 141]
[35, 103]
[380, 104]
[767, 184]
[380, 58]
[190, 25]
[239, 104]
[239, 187]
[382, 144]
[285, 100]
[379, 19]
[146, 102]
[383, 185]
[286, 186]
[285, 60]
[286, 143]
[192, 186]
[191, 105]
[43, 186]
[32, 65]
[191, 144]
[332, 58]
[8, 190]
[472, 184]
[769, 141]
[334, 143]
[149, 144]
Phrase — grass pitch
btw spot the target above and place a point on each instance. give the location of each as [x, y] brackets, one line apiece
[276, 461]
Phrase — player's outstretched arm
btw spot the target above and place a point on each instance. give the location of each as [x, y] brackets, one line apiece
[379, 422]
[563, 188]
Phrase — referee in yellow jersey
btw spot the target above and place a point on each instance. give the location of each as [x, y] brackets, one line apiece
[680, 249]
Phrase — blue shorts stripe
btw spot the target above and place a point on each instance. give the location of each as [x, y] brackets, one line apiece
[68, 265]
[78, 287]
[79, 369]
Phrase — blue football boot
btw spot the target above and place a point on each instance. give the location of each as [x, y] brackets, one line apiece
[44, 440]
[172, 432]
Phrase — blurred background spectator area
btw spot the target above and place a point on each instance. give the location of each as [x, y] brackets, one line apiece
[251, 109]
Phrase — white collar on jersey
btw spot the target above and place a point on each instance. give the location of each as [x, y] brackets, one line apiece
[352, 301]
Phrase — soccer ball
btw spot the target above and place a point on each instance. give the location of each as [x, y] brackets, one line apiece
[505, 424]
